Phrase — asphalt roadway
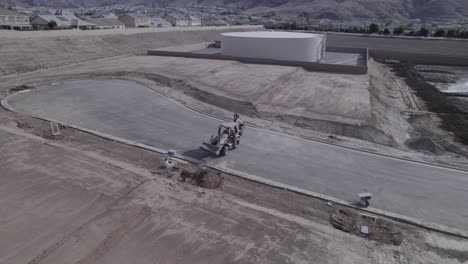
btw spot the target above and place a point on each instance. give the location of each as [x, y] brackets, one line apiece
[134, 112]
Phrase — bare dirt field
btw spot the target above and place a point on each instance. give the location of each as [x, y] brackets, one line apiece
[28, 51]
[78, 198]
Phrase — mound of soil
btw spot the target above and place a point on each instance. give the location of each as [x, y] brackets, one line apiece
[423, 144]
[203, 178]
[378, 229]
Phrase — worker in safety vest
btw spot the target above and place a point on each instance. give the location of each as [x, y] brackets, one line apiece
[239, 124]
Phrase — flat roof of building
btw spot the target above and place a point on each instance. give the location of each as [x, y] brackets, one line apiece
[270, 34]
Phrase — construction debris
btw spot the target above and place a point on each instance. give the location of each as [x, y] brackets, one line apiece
[367, 226]
[203, 178]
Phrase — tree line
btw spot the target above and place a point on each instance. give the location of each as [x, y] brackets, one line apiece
[375, 29]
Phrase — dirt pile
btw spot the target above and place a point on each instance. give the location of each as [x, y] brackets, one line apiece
[203, 178]
[378, 229]
[424, 144]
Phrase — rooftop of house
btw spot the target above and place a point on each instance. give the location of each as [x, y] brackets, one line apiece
[8, 12]
[64, 20]
[99, 21]
[160, 20]
[178, 16]
[137, 15]
[183, 17]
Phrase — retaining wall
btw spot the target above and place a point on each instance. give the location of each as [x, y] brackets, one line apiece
[421, 58]
[312, 66]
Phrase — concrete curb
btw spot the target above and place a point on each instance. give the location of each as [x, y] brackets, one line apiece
[394, 216]
[310, 66]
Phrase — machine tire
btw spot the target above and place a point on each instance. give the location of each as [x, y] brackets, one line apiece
[236, 143]
[223, 151]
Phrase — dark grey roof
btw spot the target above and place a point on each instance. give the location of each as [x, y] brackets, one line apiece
[161, 21]
[193, 18]
[183, 17]
[8, 12]
[137, 15]
[179, 16]
[103, 21]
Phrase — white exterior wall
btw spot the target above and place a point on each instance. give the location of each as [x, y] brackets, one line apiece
[182, 23]
[274, 45]
[195, 23]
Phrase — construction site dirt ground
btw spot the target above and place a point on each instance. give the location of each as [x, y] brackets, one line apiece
[80, 198]
[373, 112]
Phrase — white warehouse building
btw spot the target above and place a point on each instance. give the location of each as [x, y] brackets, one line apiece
[274, 45]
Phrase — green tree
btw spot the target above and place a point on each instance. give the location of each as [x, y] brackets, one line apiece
[439, 33]
[2, 6]
[52, 24]
[423, 32]
[386, 31]
[398, 31]
[460, 34]
[293, 25]
[373, 28]
[451, 33]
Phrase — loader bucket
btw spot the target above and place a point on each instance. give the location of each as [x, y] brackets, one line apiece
[213, 149]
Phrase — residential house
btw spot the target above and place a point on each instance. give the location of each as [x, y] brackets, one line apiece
[10, 19]
[41, 21]
[178, 20]
[213, 21]
[135, 20]
[160, 22]
[104, 23]
[104, 15]
[183, 20]
[194, 21]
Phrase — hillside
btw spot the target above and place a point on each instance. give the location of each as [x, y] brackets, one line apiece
[333, 9]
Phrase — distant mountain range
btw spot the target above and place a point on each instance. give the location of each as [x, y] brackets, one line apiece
[333, 9]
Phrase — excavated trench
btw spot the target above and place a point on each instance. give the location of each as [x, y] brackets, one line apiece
[449, 114]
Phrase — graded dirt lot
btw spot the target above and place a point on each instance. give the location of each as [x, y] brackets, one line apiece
[28, 51]
[83, 199]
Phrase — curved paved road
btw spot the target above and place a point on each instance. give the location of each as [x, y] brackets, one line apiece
[131, 111]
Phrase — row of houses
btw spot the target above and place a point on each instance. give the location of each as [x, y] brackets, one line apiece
[13, 20]
[10, 19]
